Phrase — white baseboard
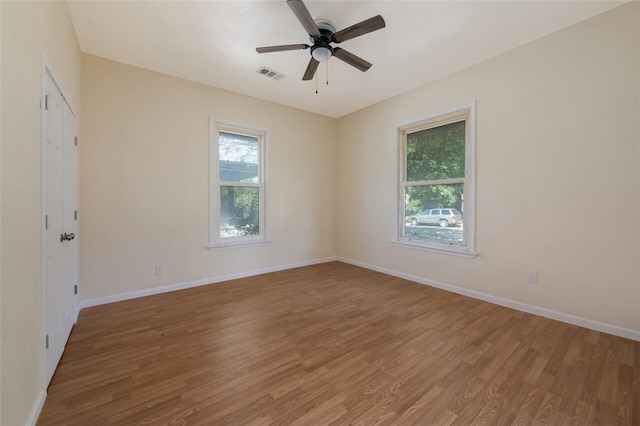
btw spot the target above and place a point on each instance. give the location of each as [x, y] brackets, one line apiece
[213, 280]
[37, 408]
[536, 310]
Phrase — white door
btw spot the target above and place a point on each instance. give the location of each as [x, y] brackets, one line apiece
[59, 174]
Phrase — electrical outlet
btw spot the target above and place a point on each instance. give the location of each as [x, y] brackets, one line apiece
[533, 277]
[158, 270]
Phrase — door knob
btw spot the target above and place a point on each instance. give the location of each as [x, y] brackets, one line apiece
[67, 237]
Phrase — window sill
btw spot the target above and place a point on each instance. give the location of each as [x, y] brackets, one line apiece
[440, 250]
[238, 244]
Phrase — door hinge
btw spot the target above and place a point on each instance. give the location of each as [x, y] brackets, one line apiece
[46, 341]
[46, 102]
[75, 289]
[76, 141]
[75, 215]
[46, 222]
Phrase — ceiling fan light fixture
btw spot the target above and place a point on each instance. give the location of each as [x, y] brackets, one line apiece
[321, 53]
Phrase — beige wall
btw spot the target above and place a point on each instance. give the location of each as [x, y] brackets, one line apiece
[29, 29]
[144, 181]
[557, 174]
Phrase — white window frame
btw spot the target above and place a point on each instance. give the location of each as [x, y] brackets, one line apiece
[469, 216]
[216, 241]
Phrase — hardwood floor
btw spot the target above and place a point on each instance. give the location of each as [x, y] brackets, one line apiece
[336, 344]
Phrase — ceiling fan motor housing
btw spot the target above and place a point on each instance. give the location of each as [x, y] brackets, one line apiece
[321, 49]
[326, 28]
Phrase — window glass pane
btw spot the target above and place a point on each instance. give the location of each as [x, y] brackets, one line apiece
[239, 211]
[238, 158]
[443, 225]
[436, 153]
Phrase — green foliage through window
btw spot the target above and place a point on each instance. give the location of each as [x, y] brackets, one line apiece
[433, 184]
[238, 184]
[239, 208]
[436, 153]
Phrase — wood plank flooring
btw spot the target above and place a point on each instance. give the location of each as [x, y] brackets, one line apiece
[334, 344]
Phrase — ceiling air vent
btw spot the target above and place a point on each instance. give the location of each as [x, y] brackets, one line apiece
[268, 72]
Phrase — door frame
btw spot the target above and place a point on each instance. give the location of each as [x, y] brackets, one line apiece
[48, 70]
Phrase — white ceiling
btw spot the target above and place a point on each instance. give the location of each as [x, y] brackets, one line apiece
[213, 42]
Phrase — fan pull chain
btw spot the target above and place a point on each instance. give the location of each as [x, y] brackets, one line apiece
[316, 77]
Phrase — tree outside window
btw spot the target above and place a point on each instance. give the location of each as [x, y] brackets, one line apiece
[436, 181]
[237, 184]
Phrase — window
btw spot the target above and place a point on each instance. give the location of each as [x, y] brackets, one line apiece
[436, 199]
[237, 185]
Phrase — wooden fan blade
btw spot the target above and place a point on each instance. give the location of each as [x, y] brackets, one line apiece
[284, 47]
[311, 69]
[302, 13]
[361, 28]
[351, 59]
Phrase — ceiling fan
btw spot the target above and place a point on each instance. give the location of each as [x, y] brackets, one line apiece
[322, 33]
